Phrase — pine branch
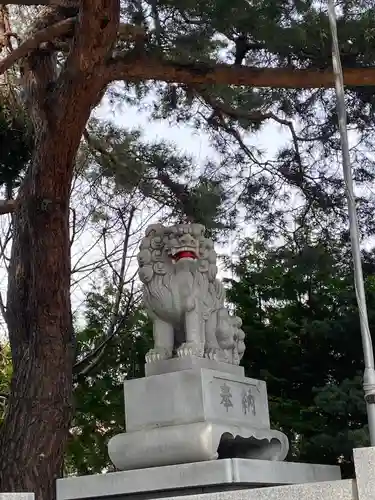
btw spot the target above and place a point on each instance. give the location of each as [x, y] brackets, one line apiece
[32, 43]
[140, 67]
[126, 67]
[126, 32]
[3, 247]
[115, 323]
[253, 115]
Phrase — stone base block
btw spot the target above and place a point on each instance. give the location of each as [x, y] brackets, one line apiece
[195, 395]
[364, 461]
[189, 363]
[192, 415]
[195, 442]
[17, 496]
[204, 477]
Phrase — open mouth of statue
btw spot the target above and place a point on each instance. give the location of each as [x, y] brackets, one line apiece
[183, 253]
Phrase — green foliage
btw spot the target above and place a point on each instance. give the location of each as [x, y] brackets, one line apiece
[277, 33]
[16, 143]
[99, 397]
[302, 336]
[161, 175]
[302, 183]
[5, 376]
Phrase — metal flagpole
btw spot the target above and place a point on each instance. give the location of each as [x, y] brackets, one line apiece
[369, 373]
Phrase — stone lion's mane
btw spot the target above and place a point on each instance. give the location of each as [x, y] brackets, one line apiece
[158, 273]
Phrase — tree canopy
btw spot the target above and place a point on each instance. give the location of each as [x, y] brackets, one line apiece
[302, 336]
[224, 70]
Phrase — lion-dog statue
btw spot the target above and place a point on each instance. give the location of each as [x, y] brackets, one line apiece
[183, 297]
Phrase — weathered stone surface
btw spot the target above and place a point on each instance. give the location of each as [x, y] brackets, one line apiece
[364, 462]
[177, 266]
[17, 496]
[255, 472]
[192, 443]
[196, 395]
[330, 490]
[190, 362]
[184, 479]
[194, 403]
[195, 415]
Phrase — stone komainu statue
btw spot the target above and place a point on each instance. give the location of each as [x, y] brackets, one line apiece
[185, 301]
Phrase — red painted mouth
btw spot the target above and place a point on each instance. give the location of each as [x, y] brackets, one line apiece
[184, 254]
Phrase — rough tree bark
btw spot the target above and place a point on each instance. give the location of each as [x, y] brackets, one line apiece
[39, 319]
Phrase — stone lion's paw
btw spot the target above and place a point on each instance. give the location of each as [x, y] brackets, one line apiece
[189, 349]
[211, 353]
[157, 354]
[184, 350]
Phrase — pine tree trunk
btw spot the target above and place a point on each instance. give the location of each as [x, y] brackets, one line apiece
[35, 430]
[36, 425]
[40, 325]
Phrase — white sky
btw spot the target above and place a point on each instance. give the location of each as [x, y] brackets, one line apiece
[270, 140]
[196, 143]
[187, 140]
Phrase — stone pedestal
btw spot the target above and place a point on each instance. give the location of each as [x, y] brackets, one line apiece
[195, 414]
[226, 476]
[17, 496]
[219, 479]
[196, 424]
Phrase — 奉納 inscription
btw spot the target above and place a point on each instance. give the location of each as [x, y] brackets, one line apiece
[226, 396]
[248, 402]
[237, 400]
